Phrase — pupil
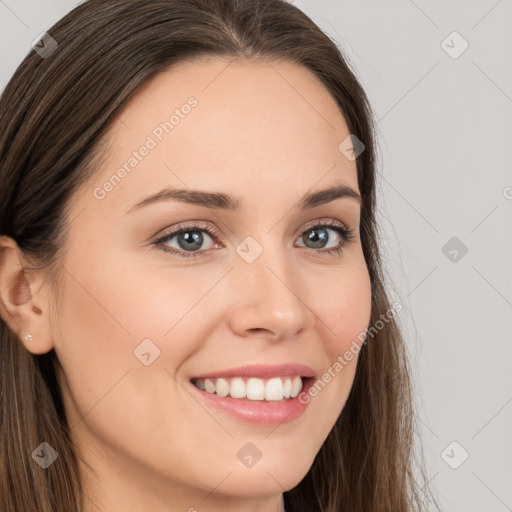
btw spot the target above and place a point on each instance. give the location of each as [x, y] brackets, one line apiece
[318, 240]
[196, 238]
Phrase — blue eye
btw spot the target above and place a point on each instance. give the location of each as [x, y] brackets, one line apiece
[190, 239]
[318, 235]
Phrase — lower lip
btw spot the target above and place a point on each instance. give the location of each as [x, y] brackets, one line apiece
[257, 411]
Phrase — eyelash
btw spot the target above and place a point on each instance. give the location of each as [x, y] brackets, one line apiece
[347, 236]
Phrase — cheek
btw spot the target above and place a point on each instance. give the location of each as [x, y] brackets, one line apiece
[344, 305]
[106, 315]
[93, 341]
[114, 305]
[110, 313]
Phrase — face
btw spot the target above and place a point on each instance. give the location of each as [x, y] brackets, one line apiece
[264, 286]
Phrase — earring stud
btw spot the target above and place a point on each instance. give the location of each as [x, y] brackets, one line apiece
[28, 337]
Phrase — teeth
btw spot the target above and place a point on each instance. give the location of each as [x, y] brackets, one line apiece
[222, 387]
[237, 388]
[287, 388]
[296, 387]
[274, 389]
[253, 388]
[208, 385]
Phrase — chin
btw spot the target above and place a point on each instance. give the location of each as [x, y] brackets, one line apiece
[268, 477]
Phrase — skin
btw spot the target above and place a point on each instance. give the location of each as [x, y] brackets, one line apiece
[268, 134]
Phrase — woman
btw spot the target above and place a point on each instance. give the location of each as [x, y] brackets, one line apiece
[193, 307]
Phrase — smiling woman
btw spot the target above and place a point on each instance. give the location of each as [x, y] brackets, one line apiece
[185, 326]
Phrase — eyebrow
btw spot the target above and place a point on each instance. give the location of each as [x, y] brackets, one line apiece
[221, 201]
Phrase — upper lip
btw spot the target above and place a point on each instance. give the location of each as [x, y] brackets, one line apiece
[262, 371]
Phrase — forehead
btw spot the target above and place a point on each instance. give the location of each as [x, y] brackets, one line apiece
[212, 124]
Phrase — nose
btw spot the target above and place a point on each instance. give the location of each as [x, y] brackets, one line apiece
[269, 298]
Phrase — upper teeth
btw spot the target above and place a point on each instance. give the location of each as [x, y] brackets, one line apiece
[274, 389]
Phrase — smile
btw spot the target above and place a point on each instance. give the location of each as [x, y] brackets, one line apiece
[253, 388]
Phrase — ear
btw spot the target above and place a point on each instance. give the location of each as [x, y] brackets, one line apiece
[23, 306]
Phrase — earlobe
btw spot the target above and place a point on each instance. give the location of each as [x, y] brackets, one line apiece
[18, 306]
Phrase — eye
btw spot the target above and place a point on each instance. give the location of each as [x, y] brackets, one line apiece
[190, 239]
[318, 236]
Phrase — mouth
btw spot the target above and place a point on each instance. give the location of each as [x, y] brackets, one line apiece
[275, 389]
[259, 394]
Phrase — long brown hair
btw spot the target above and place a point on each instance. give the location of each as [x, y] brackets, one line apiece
[54, 114]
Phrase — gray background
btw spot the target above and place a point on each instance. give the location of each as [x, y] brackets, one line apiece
[445, 132]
